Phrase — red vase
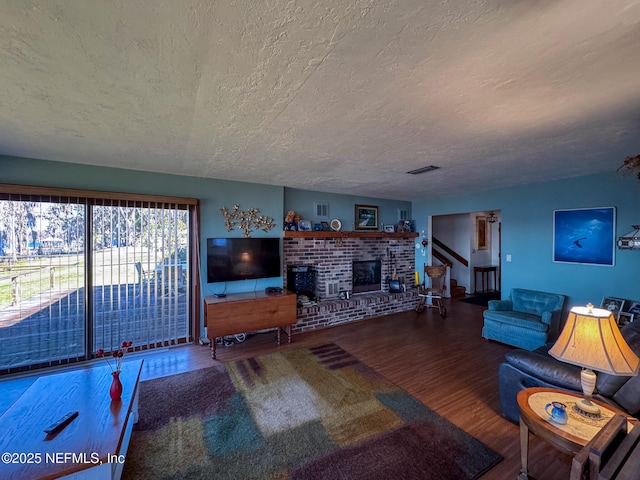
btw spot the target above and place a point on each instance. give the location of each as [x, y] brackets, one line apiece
[115, 392]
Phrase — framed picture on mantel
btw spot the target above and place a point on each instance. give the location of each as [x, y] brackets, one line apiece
[366, 217]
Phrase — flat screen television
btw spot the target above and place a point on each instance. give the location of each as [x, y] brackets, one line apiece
[230, 259]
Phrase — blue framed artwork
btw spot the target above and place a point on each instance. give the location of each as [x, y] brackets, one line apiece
[585, 236]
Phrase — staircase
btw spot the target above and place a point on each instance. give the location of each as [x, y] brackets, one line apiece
[457, 291]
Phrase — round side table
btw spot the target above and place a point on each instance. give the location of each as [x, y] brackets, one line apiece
[568, 438]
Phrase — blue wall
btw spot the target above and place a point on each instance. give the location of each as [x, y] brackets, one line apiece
[212, 193]
[342, 207]
[526, 213]
[527, 234]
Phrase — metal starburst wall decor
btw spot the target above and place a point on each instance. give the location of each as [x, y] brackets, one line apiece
[246, 220]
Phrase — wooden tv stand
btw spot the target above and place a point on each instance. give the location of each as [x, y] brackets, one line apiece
[248, 312]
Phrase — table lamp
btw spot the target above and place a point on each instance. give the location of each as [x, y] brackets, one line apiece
[591, 339]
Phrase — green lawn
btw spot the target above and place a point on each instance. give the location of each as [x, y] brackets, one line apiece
[114, 266]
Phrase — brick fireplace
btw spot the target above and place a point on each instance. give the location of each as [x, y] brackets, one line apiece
[332, 259]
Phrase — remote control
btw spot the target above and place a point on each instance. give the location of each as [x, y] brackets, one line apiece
[61, 423]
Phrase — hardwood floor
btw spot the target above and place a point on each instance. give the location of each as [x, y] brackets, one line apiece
[445, 363]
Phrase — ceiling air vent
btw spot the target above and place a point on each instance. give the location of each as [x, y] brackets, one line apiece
[423, 170]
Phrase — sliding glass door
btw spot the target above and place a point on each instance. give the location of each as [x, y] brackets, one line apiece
[42, 279]
[77, 275]
[140, 275]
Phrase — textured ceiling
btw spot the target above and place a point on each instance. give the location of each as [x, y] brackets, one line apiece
[339, 96]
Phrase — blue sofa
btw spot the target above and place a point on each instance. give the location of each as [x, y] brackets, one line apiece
[527, 319]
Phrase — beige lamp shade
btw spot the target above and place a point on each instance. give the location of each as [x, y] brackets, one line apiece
[591, 339]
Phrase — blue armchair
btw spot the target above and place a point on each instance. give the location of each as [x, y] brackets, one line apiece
[527, 319]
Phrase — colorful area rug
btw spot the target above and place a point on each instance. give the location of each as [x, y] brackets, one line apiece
[315, 413]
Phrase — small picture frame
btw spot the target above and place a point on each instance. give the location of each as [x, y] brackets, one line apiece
[304, 226]
[614, 305]
[389, 228]
[366, 217]
[624, 318]
[325, 226]
[394, 286]
[634, 308]
[403, 226]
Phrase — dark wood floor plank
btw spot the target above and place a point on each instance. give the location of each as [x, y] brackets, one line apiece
[445, 363]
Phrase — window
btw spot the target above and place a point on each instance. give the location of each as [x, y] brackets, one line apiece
[88, 272]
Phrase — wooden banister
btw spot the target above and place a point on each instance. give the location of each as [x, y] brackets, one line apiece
[449, 251]
[442, 258]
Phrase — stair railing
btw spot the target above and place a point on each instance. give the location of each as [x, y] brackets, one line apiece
[450, 251]
[442, 258]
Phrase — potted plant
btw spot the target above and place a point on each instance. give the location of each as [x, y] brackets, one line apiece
[631, 164]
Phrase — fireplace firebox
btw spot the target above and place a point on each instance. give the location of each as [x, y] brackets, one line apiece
[366, 275]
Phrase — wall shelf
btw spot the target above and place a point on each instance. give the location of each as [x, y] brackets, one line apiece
[351, 234]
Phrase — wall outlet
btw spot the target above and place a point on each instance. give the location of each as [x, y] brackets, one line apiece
[508, 257]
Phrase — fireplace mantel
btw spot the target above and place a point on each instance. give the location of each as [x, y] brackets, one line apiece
[351, 234]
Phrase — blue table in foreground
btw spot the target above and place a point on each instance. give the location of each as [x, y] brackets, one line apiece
[92, 446]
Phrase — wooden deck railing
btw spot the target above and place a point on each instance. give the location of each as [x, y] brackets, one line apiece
[17, 272]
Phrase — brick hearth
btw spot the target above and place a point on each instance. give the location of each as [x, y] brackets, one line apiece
[363, 305]
[331, 259]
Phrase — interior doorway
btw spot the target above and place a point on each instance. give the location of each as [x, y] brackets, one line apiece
[471, 243]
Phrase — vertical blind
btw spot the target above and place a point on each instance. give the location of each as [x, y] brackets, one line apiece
[80, 273]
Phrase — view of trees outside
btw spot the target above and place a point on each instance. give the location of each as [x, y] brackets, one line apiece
[138, 272]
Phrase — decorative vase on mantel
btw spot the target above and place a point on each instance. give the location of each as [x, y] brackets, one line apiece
[115, 392]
